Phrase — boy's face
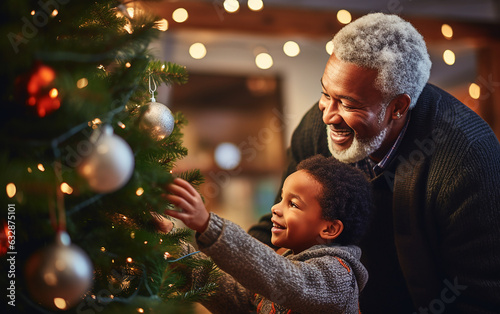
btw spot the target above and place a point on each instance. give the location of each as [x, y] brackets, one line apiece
[296, 218]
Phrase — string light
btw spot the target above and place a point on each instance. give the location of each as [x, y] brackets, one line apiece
[447, 31]
[82, 83]
[264, 61]
[231, 6]
[344, 16]
[162, 25]
[180, 15]
[60, 303]
[131, 12]
[474, 91]
[449, 57]
[197, 51]
[139, 191]
[291, 48]
[128, 65]
[140, 310]
[54, 13]
[128, 28]
[66, 188]
[53, 93]
[11, 190]
[95, 123]
[255, 5]
[129, 259]
[41, 167]
[329, 47]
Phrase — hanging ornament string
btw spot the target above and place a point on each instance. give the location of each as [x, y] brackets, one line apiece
[157, 119]
[58, 214]
[152, 90]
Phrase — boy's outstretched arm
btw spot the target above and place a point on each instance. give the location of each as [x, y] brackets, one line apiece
[194, 214]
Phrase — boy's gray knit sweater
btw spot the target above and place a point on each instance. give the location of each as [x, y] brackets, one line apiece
[321, 279]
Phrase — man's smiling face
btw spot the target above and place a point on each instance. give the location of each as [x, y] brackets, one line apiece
[354, 111]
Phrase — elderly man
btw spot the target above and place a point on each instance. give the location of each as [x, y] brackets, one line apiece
[434, 241]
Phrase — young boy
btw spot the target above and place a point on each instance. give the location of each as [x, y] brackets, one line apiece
[324, 211]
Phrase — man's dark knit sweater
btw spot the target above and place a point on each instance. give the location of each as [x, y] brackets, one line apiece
[434, 243]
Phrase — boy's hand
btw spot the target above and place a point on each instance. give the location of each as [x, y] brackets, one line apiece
[194, 214]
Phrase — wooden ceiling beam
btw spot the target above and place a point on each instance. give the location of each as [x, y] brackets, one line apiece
[285, 21]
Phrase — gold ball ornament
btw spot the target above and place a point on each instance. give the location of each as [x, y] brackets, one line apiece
[157, 120]
[59, 275]
[110, 164]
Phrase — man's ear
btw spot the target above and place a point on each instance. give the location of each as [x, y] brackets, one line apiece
[399, 106]
[331, 230]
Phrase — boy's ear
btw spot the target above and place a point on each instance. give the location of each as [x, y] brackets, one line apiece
[331, 230]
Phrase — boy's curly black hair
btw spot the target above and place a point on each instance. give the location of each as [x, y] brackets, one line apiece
[346, 195]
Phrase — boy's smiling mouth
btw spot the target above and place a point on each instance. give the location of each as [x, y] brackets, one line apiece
[277, 227]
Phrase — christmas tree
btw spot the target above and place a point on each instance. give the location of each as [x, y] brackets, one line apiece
[86, 151]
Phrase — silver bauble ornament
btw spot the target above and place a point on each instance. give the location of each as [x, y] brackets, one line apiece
[59, 275]
[157, 120]
[110, 164]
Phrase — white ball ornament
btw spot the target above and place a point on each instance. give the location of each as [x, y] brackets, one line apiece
[157, 120]
[111, 163]
[59, 275]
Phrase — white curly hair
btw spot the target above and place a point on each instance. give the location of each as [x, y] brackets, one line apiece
[390, 45]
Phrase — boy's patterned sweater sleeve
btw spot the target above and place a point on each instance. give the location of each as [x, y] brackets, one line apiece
[322, 279]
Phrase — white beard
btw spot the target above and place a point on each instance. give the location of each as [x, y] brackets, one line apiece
[359, 149]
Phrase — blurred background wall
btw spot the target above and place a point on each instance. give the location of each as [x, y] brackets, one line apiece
[241, 112]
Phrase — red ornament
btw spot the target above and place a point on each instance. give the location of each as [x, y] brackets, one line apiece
[41, 93]
[4, 238]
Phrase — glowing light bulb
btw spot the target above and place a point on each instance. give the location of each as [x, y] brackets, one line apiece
[264, 60]
[449, 57]
[344, 16]
[180, 15]
[197, 51]
[60, 303]
[291, 48]
[447, 31]
[231, 6]
[474, 91]
[66, 188]
[329, 47]
[162, 25]
[53, 93]
[131, 12]
[11, 190]
[81, 83]
[255, 5]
